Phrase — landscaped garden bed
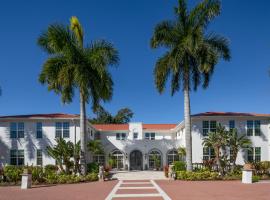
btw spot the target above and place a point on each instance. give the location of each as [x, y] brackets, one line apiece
[11, 175]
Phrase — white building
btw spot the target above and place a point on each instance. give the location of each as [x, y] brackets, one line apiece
[24, 138]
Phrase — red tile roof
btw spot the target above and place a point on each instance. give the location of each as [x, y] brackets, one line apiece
[111, 127]
[239, 114]
[51, 115]
[118, 127]
[159, 126]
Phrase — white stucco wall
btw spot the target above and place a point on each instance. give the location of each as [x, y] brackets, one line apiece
[241, 124]
[30, 143]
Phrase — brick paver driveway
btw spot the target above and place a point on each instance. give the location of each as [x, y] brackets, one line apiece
[215, 190]
[82, 191]
[176, 190]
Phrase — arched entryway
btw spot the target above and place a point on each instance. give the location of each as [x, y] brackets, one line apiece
[136, 160]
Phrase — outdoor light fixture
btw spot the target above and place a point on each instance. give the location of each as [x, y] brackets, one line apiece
[145, 156]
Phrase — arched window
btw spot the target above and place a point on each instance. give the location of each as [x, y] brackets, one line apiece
[116, 160]
[154, 159]
[172, 156]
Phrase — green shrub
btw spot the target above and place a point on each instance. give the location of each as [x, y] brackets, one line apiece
[196, 176]
[13, 173]
[255, 179]
[179, 166]
[92, 167]
[50, 168]
[91, 177]
[38, 175]
[51, 178]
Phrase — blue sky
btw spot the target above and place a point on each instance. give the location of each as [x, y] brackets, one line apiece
[241, 85]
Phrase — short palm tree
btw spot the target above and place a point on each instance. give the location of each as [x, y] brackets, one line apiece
[95, 147]
[236, 143]
[62, 152]
[71, 66]
[182, 153]
[217, 140]
[191, 55]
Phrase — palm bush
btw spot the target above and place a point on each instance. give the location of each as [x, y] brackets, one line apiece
[217, 140]
[236, 143]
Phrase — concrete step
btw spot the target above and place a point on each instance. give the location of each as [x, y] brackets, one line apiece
[138, 175]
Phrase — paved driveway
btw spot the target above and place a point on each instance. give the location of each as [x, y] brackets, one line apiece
[215, 190]
[81, 191]
[176, 190]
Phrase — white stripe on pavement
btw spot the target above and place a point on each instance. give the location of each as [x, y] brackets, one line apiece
[163, 194]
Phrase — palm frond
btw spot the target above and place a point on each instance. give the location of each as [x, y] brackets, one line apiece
[57, 39]
[204, 12]
[164, 35]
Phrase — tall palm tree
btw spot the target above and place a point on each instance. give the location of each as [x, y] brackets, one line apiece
[236, 143]
[72, 65]
[191, 55]
[217, 140]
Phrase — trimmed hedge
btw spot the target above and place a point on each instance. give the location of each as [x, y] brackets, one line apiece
[197, 176]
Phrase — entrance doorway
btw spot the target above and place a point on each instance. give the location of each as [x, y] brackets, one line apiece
[136, 160]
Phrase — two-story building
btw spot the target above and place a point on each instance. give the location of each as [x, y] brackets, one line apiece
[132, 146]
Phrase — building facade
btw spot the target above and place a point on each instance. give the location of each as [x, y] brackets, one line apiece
[133, 146]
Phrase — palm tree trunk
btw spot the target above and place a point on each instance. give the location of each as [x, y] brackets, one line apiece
[82, 133]
[187, 128]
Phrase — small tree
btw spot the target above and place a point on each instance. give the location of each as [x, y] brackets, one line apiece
[62, 152]
[236, 143]
[182, 153]
[95, 147]
[217, 140]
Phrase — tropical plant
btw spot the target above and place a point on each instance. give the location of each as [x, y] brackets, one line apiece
[72, 66]
[95, 147]
[62, 152]
[236, 143]
[123, 116]
[191, 55]
[182, 153]
[217, 140]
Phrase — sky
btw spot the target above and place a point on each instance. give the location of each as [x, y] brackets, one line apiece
[241, 85]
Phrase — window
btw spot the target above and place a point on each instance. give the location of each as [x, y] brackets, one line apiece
[117, 159]
[120, 136]
[39, 157]
[135, 135]
[209, 126]
[257, 127]
[39, 129]
[62, 129]
[17, 130]
[13, 130]
[13, 157]
[254, 154]
[231, 124]
[172, 157]
[16, 157]
[253, 128]
[100, 159]
[150, 136]
[154, 159]
[208, 153]
[249, 128]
